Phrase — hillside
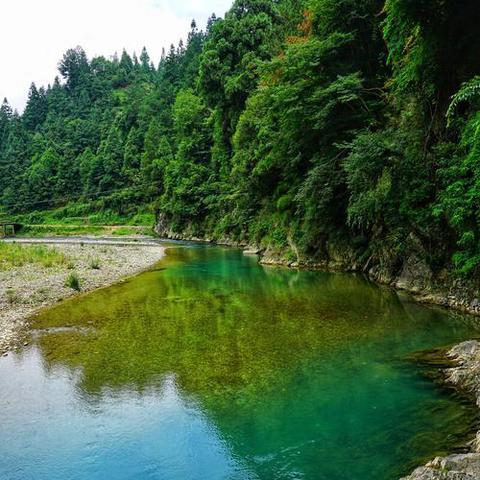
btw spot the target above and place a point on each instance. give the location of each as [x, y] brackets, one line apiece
[298, 126]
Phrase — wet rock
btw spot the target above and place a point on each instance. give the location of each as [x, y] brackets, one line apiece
[465, 375]
[453, 467]
[474, 305]
[341, 257]
[465, 351]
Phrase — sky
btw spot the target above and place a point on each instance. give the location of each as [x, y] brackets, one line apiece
[36, 33]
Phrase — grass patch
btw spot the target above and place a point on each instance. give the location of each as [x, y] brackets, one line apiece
[14, 255]
[12, 296]
[86, 219]
[79, 230]
[88, 215]
[94, 264]
[61, 230]
[131, 231]
[73, 282]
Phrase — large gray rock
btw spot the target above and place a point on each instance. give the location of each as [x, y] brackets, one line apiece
[415, 275]
[454, 467]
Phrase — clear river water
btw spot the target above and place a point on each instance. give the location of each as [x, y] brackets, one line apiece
[213, 367]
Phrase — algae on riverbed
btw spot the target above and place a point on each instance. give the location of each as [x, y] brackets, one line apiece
[38, 276]
[291, 374]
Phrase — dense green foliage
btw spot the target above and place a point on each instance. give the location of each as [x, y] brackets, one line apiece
[292, 124]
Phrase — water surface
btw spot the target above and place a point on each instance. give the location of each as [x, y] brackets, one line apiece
[213, 367]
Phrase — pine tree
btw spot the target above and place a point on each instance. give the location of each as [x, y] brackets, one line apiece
[5, 117]
[145, 61]
[74, 67]
[36, 109]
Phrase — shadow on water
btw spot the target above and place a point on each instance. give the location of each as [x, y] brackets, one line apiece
[233, 370]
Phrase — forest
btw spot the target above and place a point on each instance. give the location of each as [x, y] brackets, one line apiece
[289, 124]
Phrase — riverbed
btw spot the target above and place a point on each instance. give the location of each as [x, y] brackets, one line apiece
[211, 366]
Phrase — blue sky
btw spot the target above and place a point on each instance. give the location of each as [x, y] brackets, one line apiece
[36, 33]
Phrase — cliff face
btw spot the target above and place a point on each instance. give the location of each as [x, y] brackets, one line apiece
[411, 272]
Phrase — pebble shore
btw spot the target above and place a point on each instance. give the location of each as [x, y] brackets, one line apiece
[26, 289]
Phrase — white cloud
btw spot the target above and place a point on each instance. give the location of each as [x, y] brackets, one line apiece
[196, 8]
[35, 33]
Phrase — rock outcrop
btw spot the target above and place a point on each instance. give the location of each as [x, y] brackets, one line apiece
[453, 467]
[466, 376]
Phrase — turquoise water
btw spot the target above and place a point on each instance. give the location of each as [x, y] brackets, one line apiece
[213, 367]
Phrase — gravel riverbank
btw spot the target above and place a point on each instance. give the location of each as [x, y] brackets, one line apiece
[25, 289]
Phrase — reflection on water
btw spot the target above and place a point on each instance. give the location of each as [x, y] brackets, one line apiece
[212, 367]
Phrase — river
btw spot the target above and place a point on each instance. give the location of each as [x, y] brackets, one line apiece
[211, 366]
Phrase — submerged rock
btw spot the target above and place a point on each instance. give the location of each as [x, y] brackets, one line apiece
[36, 286]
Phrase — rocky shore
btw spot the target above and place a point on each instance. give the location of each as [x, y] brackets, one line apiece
[409, 272]
[26, 289]
[464, 375]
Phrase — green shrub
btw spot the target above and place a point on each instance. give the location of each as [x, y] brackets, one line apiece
[73, 282]
[12, 296]
[94, 264]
